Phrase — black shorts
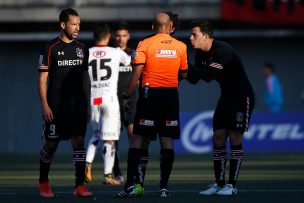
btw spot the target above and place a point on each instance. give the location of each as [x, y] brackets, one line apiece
[127, 115]
[233, 113]
[67, 123]
[158, 114]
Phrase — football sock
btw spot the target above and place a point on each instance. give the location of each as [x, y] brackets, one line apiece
[46, 159]
[132, 166]
[219, 164]
[142, 166]
[79, 157]
[236, 159]
[166, 159]
[108, 157]
[116, 168]
[92, 148]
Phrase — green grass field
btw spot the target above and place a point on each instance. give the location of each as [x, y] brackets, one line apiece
[269, 178]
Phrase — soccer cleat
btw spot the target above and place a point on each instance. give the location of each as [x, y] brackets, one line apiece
[88, 174]
[212, 190]
[126, 193]
[164, 193]
[139, 190]
[132, 191]
[121, 179]
[228, 189]
[45, 190]
[109, 180]
[82, 191]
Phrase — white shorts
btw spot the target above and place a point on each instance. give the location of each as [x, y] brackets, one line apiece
[105, 118]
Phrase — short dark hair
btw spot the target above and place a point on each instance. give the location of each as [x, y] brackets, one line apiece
[64, 15]
[122, 25]
[101, 31]
[205, 26]
[174, 18]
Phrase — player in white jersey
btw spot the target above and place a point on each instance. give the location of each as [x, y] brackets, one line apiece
[105, 119]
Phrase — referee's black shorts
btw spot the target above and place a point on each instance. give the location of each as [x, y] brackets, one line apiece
[233, 113]
[158, 114]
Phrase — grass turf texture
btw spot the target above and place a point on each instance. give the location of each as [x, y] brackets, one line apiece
[269, 178]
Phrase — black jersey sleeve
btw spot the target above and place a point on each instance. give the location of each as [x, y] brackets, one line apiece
[191, 76]
[199, 68]
[224, 54]
[43, 60]
[45, 57]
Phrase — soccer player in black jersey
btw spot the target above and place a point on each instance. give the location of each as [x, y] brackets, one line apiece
[217, 60]
[122, 36]
[64, 89]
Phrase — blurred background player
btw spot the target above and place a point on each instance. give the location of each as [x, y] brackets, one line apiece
[216, 60]
[273, 96]
[65, 100]
[104, 64]
[121, 39]
[159, 61]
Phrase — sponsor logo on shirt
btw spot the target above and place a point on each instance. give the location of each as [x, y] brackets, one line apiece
[216, 65]
[75, 62]
[165, 53]
[166, 41]
[146, 122]
[125, 68]
[172, 123]
[99, 54]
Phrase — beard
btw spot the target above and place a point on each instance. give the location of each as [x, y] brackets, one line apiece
[68, 35]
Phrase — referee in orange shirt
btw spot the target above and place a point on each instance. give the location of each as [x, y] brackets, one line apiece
[159, 61]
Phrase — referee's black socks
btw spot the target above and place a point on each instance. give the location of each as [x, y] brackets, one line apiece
[219, 164]
[166, 159]
[142, 166]
[133, 162]
[236, 159]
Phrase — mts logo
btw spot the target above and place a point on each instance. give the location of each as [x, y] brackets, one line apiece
[166, 52]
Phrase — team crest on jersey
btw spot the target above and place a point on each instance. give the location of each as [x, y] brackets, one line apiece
[239, 116]
[79, 53]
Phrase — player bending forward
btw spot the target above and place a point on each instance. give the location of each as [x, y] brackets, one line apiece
[105, 119]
